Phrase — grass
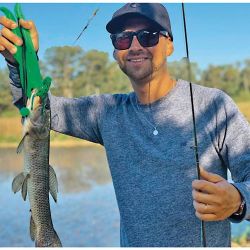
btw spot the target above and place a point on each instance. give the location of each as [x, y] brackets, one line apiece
[11, 129]
[245, 108]
[11, 134]
[9, 113]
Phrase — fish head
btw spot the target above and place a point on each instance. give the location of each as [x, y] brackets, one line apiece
[37, 124]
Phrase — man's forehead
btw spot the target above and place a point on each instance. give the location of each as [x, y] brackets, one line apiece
[134, 22]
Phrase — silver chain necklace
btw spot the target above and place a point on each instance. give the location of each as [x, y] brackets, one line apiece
[155, 131]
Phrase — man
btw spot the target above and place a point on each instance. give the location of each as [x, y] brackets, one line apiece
[148, 137]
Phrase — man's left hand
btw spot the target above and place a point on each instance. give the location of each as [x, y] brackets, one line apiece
[214, 198]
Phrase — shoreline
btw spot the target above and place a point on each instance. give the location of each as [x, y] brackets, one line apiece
[57, 144]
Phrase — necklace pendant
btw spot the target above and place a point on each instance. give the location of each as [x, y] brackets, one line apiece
[155, 132]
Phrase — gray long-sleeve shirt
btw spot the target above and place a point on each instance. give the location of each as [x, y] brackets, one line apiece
[152, 174]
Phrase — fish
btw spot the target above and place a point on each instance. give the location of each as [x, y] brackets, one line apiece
[38, 178]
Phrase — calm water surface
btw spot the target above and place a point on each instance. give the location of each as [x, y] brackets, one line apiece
[86, 213]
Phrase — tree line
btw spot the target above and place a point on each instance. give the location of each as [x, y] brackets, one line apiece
[76, 72]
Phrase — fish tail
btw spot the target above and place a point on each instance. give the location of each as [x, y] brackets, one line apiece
[48, 240]
[44, 238]
[56, 242]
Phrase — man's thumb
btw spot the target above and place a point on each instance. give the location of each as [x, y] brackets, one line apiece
[208, 176]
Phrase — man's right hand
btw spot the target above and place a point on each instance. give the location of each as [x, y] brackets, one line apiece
[8, 39]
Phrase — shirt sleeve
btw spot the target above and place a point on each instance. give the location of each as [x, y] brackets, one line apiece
[235, 145]
[78, 117]
[15, 85]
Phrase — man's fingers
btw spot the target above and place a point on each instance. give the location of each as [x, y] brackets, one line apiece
[7, 22]
[204, 198]
[8, 25]
[205, 186]
[7, 45]
[210, 176]
[26, 24]
[207, 217]
[10, 36]
[204, 208]
[33, 31]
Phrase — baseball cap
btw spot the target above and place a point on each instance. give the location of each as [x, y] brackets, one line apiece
[154, 12]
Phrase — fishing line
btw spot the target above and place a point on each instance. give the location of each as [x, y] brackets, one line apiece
[86, 26]
[203, 232]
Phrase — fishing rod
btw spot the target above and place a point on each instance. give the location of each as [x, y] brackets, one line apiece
[203, 232]
[86, 26]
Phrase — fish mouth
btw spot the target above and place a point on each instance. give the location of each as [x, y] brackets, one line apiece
[37, 125]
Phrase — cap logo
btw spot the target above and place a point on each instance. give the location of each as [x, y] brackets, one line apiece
[134, 5]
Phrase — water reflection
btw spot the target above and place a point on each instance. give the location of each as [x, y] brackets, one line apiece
[78, 168]
[86, 213]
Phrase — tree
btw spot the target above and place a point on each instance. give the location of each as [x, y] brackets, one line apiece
[99, 75]
[63, 65]
[245, 76]
[118, 81]
[5, 95]
[225, 77]
[94, 74]
[179, 70]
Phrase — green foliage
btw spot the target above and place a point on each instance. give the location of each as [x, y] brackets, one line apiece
[79, 73]
[63, 65]
[243, 239]
[9, 111]
[179, 70]
[225, 77]
[5, 95]
[245, 76]
[233, 79]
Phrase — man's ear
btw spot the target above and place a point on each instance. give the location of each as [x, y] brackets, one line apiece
[115, 54]
[170, 48]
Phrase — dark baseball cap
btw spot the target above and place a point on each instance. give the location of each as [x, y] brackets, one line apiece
[156, 13]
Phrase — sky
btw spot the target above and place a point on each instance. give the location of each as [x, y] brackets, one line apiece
[217, 33]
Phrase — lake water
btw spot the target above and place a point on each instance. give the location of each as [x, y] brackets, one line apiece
[86, 213]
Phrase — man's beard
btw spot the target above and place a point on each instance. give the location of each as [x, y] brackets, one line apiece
[138, 73]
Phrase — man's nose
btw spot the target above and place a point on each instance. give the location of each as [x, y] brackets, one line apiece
[135, 45]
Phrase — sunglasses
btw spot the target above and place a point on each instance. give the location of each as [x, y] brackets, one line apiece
[123, 40]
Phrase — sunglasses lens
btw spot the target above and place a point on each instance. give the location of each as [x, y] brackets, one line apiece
[147, 38]
[122, 40]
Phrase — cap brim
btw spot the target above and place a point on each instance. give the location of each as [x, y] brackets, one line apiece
[116, 24]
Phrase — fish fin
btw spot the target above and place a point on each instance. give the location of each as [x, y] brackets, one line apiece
[53, 183]
[18, 182]
[32, 228]
[21, 145]
[24, 187]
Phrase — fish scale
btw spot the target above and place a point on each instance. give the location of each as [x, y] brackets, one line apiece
[38, 178]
